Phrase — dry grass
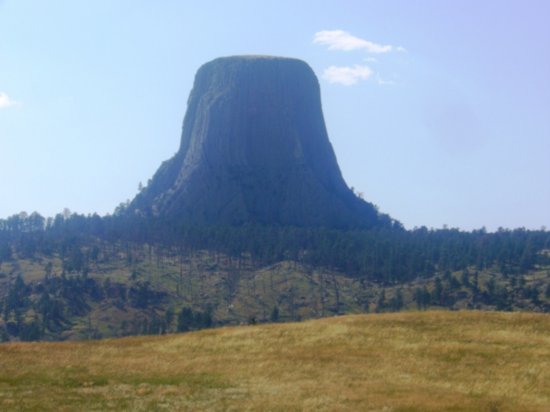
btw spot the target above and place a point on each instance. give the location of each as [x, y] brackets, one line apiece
[431, 361]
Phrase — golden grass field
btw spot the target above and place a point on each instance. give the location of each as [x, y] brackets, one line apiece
[428, 361]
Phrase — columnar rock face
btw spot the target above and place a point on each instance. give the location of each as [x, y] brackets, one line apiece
[254, 149]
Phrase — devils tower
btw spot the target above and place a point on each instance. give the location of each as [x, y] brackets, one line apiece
[254, 149]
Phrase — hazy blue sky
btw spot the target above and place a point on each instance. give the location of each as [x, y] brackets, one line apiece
[438, 111]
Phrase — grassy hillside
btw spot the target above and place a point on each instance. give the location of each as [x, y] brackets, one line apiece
[428, 361]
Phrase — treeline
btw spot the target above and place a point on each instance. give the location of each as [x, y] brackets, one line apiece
[389, 255]
[503, 293]
[37, 310]
[46, 309]
[393, 259]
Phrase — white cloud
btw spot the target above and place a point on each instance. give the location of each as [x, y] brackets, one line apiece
[5, 101]
[384, 82]
[342, 40]
[347, 75]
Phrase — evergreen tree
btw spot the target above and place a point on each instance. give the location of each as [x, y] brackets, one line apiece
[185, 320]
[397, 301]
[274, 314]
[381, 304]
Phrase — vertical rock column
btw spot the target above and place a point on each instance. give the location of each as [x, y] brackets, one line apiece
[254, 149]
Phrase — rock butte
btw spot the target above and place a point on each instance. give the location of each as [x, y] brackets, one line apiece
[254, 149]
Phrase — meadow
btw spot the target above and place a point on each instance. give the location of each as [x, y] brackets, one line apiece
[409, 361]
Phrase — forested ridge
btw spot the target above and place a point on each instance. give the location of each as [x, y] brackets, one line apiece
[58, 275]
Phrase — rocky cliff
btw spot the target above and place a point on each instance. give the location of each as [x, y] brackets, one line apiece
[254, 149]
